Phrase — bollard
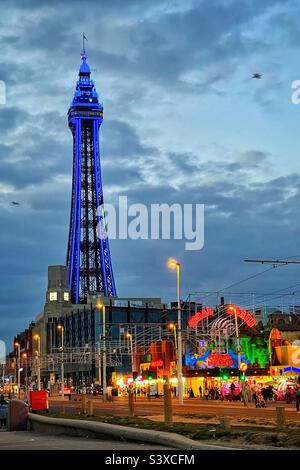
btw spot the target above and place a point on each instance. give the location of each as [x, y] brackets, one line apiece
[91, 407]
[224, 423]
[168, 412]
[83, 404]
[131, 403]
[280, 417]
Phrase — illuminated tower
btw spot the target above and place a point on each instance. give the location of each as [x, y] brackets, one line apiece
[88, 256]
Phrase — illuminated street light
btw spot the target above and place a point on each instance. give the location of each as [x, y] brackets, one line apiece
[17, 345]
[38, 339]
[61, 329]
[129, 336]
[101, 306]
[233, 309]
[24, 356]
[172, 326]
[174, 264]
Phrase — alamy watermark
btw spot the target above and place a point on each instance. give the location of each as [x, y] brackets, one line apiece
[2, 92]
[153, 222]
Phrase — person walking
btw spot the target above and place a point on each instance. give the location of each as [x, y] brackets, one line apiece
[3, 411]
[298, 399]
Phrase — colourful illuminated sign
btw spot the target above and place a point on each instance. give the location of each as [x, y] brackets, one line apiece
[242, 314]
[219, 360]
[199, 316]
[155, 364]
[211, 359]
[230, 310]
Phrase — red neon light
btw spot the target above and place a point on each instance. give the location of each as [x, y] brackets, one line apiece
[199, 316]
[230, 309]
[242, 314]
[219, 360]
[158, 363]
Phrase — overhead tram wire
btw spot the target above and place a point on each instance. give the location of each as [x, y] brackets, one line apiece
[209, 294]
[244, 280]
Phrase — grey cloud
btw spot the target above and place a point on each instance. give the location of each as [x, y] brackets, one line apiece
[252, 157]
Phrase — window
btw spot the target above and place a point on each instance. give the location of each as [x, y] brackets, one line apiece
[66, 296]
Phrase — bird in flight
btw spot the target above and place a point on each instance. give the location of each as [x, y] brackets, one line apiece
[257, 76]
[14, 203]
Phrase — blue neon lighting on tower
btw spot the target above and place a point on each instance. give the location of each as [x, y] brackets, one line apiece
[88, 257]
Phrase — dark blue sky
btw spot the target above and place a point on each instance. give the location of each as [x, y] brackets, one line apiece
[183, 122]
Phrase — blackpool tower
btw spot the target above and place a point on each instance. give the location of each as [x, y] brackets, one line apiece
[88, 255]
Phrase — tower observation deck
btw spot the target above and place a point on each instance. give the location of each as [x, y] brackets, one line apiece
[88, 254]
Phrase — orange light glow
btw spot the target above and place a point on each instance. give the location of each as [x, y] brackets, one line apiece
[172, 263]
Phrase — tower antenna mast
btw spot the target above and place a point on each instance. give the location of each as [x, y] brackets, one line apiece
[83, 42]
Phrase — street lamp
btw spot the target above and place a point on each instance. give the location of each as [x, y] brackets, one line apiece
[24, 356]
[234, 310]
[270, 350]
[61, 329]
[99, 306]
[172, 326]
[129, 336]
[17, 345]
[38, 355]
[174, 264]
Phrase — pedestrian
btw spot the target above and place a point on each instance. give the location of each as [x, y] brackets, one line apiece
[3, 411]
[191, 393]
[200, 391]
[298, 399]
[206, 394]
[265, 394]
[287, 395]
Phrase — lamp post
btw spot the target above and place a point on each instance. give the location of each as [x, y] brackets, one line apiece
[38, 355]
[270, 350]
[234, 310]
[172, 326]
[61, 329]
[24, 356]
[102, 306]
[99, 364]
[173, 264]
[129, 336]
[17, 345]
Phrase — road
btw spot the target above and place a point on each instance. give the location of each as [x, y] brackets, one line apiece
[23, 440]
[193, 406]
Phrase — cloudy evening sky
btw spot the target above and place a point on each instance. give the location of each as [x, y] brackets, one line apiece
[183, 122]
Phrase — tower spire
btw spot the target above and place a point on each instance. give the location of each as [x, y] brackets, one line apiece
[83, 43]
